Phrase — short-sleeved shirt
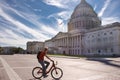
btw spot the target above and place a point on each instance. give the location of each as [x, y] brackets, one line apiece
[41, 56]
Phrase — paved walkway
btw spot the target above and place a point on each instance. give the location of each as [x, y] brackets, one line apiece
[19, 67]
[11, 73]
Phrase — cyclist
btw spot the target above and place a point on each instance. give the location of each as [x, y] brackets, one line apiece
[43, 62]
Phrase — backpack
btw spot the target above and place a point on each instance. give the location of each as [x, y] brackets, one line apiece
[38, 54]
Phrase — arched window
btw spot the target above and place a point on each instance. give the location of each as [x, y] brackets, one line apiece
[111, 33]
[105, 33]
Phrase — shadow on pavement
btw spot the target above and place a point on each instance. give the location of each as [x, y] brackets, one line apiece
[41, 79]
[105, 61]
[34, 79]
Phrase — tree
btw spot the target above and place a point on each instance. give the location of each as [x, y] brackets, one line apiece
[1, 49]
[17, 50]
[20, 49]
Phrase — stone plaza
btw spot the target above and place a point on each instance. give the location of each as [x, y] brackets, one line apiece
[19, 67]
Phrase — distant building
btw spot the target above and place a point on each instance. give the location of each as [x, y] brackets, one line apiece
[49, 44]
[58, 44]
[7, 50]
[34, 47]
[86, 35]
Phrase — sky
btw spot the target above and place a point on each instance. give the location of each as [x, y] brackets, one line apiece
[39, 20]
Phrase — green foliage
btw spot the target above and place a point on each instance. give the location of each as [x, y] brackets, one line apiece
[1, 49]
[16, 50]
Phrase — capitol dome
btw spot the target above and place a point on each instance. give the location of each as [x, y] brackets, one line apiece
[83, 18]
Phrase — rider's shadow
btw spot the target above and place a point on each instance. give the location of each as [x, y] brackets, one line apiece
[35, 79]
[56, 79]
[42, 79]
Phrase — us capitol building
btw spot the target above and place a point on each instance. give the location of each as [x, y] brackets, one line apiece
[86, 35]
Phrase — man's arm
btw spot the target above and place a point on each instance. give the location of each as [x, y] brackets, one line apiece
[48, 58]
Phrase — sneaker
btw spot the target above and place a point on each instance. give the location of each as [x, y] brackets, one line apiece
[45, 76]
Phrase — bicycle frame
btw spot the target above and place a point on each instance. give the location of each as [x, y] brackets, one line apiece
[53, 66]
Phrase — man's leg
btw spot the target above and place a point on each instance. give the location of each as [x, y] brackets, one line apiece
[47, 64]
[43, 67]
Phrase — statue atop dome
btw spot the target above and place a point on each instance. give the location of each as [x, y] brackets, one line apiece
[82, 0]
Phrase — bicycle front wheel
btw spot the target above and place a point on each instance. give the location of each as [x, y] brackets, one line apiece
[56, 73]
[37, 72]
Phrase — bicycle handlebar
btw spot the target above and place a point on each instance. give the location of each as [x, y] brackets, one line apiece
[54, 62]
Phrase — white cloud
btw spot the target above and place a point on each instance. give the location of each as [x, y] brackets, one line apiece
[12, 39]
[49, 30]
[65, 14]
[32, 18]
[106, 13]
[39, 34]
[22, 27]
[95, 7]
[110, 20]
[62, 19]
[39, 10]
[55, 3]
[61, 3]
[106, 4]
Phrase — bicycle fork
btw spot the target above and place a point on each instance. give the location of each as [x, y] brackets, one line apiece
[55, 70]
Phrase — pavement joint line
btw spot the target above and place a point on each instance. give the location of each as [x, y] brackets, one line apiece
[22, 67]
[11, 73]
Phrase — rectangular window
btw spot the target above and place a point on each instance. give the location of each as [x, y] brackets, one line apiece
[112, 50]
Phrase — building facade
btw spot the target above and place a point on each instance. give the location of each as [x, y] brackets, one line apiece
[86, 35]
[34, 47]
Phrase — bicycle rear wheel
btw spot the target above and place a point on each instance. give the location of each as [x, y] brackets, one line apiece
[37, 72]
[56, 73]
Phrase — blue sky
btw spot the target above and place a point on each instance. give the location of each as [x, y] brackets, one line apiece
[39, 20]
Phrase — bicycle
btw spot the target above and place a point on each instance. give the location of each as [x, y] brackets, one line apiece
[56, 72]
